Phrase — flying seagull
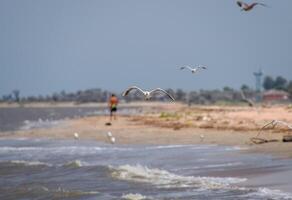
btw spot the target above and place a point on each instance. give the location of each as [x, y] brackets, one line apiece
[244, 99]
[147, 94]
[195, 69]
[248, 7]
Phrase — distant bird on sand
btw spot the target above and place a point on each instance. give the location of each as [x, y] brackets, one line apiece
[109, 134]
[248, 7]
[76, 136]
[111, 138]
[147, 94]
[249, 101]
[194, 69]
[202, 137]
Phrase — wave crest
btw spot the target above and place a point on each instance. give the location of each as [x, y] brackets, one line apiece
[165, 179]
[27, 163]
[133, 196]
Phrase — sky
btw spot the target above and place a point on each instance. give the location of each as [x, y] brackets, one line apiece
[51, 45]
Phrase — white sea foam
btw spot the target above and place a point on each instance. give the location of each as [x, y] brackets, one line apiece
[211, 166]
[27, 125]
[75, 164]
[235, 148]
[222, 165]
[168, 146]
[66, 150]
[266, 193]
[63, 191]
[133, 196]
[29, 163]
[165, 179]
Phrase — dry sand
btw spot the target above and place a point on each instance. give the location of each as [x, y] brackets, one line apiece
[163, 123]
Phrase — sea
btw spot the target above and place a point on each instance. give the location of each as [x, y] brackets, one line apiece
[34, 168]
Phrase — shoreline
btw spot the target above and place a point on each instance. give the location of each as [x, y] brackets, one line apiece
[127, 130]
[169, 123]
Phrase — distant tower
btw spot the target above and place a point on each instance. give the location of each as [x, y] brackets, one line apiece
[258, 75]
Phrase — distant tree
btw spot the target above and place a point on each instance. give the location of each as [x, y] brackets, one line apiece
[268, 83]
[244, 87]
[16, 94]
[55, 97]
[227, 89]
[180, 95]
[289, 88]
[7, 98]
[280, 83]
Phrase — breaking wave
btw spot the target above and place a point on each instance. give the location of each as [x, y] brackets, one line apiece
[26, 163]
[165, 179]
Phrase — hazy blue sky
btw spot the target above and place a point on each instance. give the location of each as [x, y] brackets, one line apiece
[47, 46]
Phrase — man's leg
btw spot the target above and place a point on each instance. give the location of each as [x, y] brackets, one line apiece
[111, 115]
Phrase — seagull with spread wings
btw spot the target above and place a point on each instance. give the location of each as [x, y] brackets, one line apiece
[147, 94]
[248, 7]
[193, 69]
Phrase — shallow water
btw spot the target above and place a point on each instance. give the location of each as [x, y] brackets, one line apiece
[68, 169]
[26, 118]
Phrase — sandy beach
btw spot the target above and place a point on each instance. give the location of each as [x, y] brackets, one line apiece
[168, 123]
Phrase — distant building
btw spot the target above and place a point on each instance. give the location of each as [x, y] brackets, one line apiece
[275, 96]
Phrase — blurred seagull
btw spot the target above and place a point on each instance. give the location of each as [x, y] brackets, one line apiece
[195, 69]
[147, 94]
[248, 7]
[244, 99]
[111, 138]
[76, 136]
[109, 134]
[202, 137]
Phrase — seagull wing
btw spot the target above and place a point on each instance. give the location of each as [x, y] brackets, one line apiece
[163, 91]
[262, 4]
[132, 88]
[242, 95]
[188, 67]
[239, 3]
[249, 101]
[255, 4]
[202, 67]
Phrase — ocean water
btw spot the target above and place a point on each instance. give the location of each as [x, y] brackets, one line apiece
[75, 169]
[26, 118]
